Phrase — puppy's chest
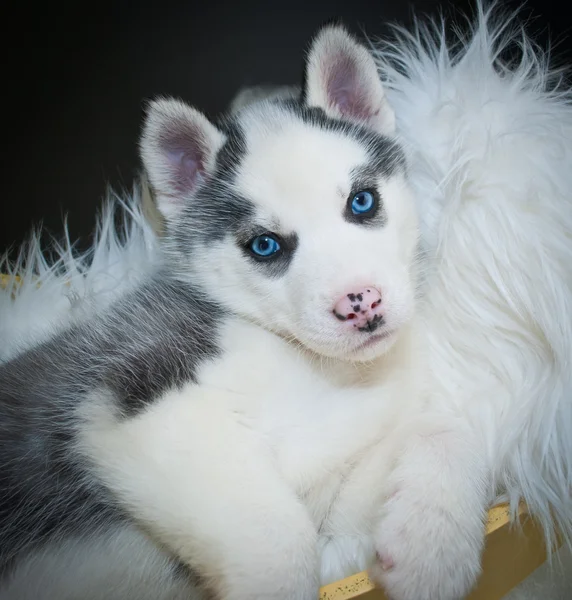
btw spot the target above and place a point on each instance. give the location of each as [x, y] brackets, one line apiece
[315, 429]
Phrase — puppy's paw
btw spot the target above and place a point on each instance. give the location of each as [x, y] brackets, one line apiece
[426, 550]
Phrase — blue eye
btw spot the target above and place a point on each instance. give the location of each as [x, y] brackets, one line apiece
[362, 203]
[264, 246]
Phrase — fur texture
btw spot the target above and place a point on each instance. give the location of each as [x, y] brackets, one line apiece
[211, 405]
[488, 147]
[490, 144]
[75, 284]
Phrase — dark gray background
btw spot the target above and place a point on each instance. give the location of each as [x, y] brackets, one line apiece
[74, 79]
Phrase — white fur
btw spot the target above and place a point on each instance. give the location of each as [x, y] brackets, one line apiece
[251, 475]
[491, 150]
[50, 294]
[268, 437]
[490, 158]
[299, 179]
[490, 153]
[265, 421]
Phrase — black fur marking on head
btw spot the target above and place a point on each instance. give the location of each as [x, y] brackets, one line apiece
[216, 210]
[386, 156]
[151, 340]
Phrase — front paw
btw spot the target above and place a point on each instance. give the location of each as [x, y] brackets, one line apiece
[284, 567]
[427, 550]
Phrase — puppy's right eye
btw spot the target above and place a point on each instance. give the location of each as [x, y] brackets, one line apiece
[362, 203]
[264, 246]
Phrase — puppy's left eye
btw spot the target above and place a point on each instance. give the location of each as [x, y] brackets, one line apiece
[264, 246]
[362, 203]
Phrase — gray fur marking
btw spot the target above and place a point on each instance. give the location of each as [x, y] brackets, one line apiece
[149, 341]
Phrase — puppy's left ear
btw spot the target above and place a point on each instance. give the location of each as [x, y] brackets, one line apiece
[179, 146]
[342, 79]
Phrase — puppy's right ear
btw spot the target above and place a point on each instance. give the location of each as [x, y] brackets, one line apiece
[342, 79]
[178, 148]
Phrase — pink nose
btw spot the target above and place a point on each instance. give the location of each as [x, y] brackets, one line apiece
[361, 309]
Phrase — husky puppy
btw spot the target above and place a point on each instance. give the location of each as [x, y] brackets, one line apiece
[235, 425]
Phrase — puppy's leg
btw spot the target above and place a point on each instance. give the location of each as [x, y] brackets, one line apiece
[346, 540]
[118, 562]
[431, 535]
[204, 485]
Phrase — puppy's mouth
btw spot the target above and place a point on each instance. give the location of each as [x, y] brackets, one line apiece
[373, 340]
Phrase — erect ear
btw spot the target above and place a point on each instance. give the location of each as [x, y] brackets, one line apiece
[178, 148]
[342, 79]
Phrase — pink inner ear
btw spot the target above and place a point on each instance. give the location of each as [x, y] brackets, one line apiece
[185, 157]
[184, 170]
[345, 89]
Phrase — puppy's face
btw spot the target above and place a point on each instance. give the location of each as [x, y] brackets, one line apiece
[296, 215]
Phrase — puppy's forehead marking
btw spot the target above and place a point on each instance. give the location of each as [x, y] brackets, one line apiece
[294, 168]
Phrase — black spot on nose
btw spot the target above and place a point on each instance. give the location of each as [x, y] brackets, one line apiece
[359, 297]
[373, 324]
[352, 297]
[357, 308]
